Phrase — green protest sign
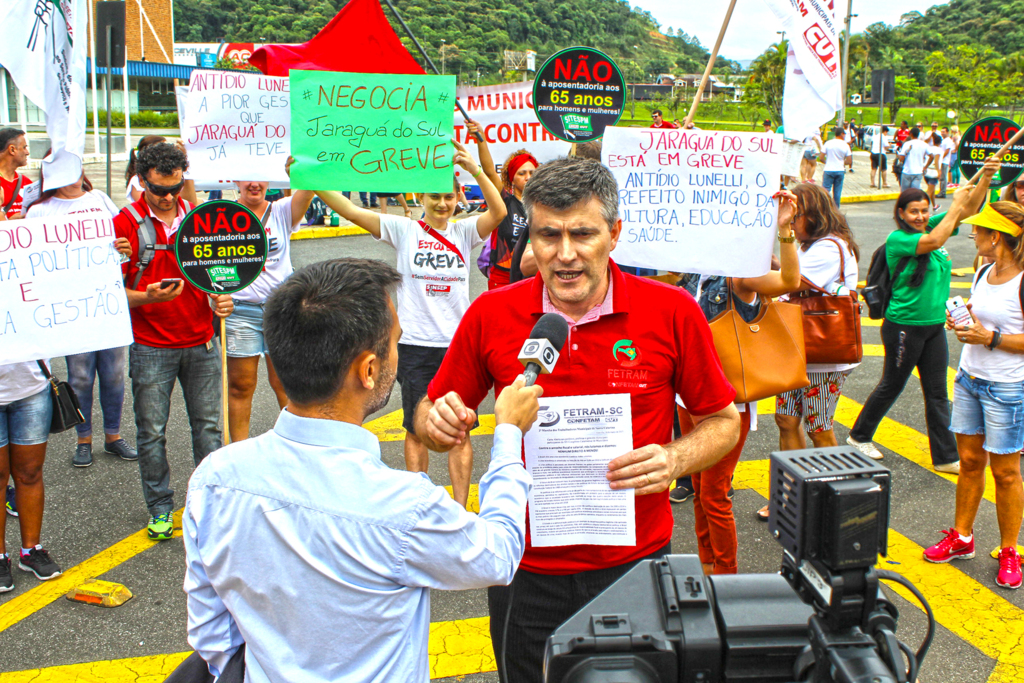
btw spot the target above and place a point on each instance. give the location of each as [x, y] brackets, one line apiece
[372, 132]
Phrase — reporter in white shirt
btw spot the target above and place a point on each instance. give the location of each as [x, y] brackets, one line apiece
[432, 258]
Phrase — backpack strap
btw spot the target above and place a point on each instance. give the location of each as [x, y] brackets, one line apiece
[1020, 292]
[147, 242]
[14, 195]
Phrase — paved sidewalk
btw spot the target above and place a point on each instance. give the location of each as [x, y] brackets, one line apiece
[856, 187]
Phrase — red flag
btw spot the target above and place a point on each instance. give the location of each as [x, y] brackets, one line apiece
[359, 39]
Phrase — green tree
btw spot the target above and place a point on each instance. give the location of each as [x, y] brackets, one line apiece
[906, 92]
[766, 81]
[966, 79]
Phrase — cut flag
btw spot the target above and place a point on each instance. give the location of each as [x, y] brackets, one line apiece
[44, 50]
[813, 91]
[358, 39]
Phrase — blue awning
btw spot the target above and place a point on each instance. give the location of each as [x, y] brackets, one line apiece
[147, 70]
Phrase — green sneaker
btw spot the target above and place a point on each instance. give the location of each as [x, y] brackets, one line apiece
[161, 527]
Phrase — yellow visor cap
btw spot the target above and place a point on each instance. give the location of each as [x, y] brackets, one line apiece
[993, 220]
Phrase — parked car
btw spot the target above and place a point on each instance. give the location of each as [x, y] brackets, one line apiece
[871, 131]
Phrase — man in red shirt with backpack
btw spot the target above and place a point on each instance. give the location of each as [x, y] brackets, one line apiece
[173, 326]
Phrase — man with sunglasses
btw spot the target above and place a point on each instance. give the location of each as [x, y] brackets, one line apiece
[173, 326]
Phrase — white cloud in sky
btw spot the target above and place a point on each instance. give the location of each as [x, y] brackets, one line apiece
[753, 25]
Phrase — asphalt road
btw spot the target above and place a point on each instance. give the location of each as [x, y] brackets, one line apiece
[90, 510]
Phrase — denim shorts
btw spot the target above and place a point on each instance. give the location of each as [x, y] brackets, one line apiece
[244, 330]
[26, 422]
[995, 409]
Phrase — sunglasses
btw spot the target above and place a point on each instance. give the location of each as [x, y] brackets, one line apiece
[164, 190]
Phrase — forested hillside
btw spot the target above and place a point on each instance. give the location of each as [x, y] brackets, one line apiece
[475, 32]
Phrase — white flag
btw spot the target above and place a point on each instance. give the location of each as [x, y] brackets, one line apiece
[44, 48]
[813, 92]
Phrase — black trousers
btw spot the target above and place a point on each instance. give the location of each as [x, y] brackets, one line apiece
[540, 603]
[908, 347]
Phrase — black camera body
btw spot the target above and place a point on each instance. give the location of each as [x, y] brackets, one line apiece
[822, 618]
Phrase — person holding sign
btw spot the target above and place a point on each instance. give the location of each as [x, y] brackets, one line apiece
[633, 344]
[173, 326]
[107, 364]
[432, 258]
[515, 173]
[244, 327]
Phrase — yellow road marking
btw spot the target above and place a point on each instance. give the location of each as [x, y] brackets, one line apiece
[328, 231]
[456, 648]
[970, 609]
[389, 427]
[31, 601]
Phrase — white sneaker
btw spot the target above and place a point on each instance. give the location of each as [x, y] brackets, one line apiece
[867, 448]
[949, 468]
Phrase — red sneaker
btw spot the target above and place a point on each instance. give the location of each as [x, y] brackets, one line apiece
[952, 548]
[1009, 575]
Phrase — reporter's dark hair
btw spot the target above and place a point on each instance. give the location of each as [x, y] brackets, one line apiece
[133, 158]
[8, 136]
[656, 111]
[563, 183]
[907, 197]
[164, 157]
[823, 217]
[322, 317]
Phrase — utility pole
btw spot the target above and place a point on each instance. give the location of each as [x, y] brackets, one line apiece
[442, 55]
[846, 61]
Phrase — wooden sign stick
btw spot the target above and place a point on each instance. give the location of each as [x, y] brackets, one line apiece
[999, 154]
[711, 63]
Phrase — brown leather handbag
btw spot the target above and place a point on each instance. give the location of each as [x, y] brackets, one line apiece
[764, 357]
[831, 322]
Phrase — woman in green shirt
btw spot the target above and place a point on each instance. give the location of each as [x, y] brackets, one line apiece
[913, 332]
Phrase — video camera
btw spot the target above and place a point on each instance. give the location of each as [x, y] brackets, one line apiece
[823, 618]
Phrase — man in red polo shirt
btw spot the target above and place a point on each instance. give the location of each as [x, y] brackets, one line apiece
[13, 155]
[173, 326]
[658, 121]
[627, 335]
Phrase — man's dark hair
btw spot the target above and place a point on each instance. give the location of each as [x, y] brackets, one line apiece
[840, 132]
[915, 132]
[164, 157]
[589, 150]
[322, 317]
[564, 183]
[8, 136]
[656, 111]
[885, 129]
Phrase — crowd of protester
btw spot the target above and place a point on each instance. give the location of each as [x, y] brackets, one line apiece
[437, 344]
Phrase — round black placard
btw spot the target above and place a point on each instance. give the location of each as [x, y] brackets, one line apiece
[221, 247]
[984, 138]
[578, 93]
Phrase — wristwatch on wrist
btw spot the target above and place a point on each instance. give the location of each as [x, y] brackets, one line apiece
[787, 240]
[996, 341]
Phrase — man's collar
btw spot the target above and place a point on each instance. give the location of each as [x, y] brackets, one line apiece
[617, 288]
[318, 432]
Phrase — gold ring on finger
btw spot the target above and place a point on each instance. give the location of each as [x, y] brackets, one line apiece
[648, 475]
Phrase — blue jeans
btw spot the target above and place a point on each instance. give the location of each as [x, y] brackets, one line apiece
[833, 181]
[994, 409]
[83, 368]
[153, 372]
[26, 422]
[373, 198]
[908, 181]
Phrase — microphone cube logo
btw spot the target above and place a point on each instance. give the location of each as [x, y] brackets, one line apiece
[531, 348]
[549, 356]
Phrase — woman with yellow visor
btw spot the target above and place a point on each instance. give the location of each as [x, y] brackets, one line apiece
[988, 396]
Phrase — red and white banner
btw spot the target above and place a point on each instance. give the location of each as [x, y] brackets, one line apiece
[813, 91]
[505, 113]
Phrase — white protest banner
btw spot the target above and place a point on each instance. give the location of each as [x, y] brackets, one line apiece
[43, 49]
[236, 126]
[60, 288]
[505, 113]
[813, 90]
[792, 155]
[695, 201]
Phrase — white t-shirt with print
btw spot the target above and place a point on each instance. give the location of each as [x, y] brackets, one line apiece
[914, 152]
[279, 229]
[435, 281]
[997, 307]
[933, 168]
[92, 201]
[836, 151]
[21, 380]
[820, 265]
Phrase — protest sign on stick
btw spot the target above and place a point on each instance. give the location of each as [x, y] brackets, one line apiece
[992, 135]
[695, 201]
[577, 93]
[236, 127]
[372, 132]
[60, 288]
[712, 58]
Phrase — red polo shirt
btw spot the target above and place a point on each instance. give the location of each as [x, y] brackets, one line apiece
[674, 355]
[184, 321]
[664, 124]
[9, 192]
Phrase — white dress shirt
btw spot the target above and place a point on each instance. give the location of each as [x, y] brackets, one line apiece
[302, 544]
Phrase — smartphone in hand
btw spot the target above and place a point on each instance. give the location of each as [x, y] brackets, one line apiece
[958, 311]
[169, 283]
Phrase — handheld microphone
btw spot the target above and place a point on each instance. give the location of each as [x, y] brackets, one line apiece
[540, 351]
